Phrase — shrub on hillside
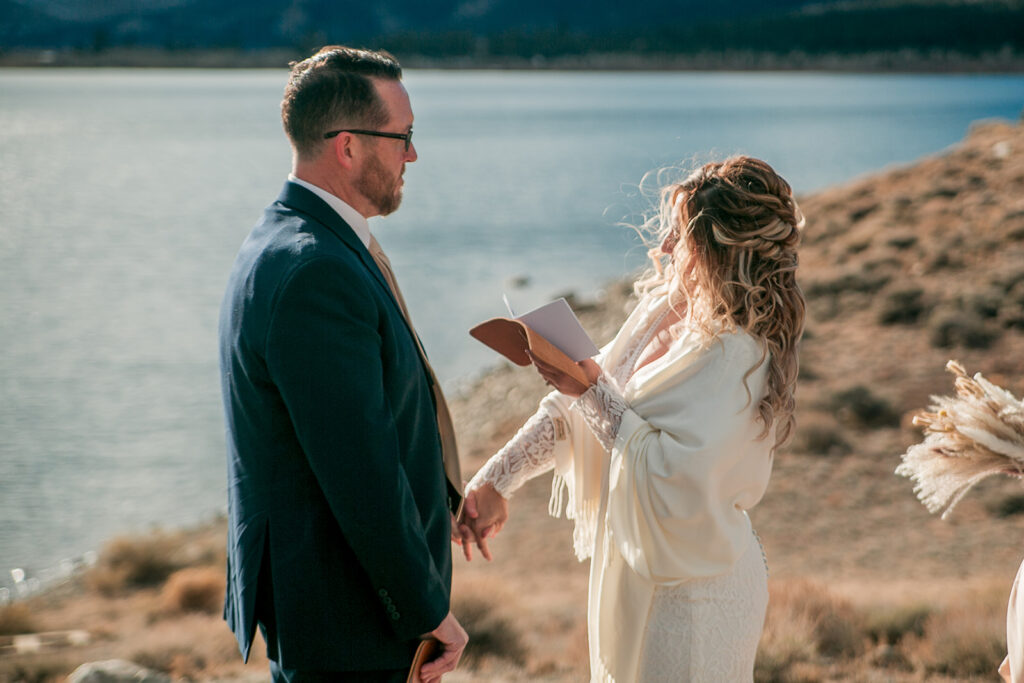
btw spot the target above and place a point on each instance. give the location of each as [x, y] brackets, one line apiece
[986, 304]
[902, 306]
[804, 622]
[195, 589]
[818, 434]
[1007, 506]
[491, 633]
[966, 641]
[859, 407]
[39, 668]
[865, 283]
[16, 619]
[960, 328]
[903, 240]
[132, 562]
[890, 623]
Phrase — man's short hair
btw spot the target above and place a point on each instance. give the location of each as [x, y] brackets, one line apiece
[333, 89]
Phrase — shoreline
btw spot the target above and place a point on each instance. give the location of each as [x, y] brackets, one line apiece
[1003, 61]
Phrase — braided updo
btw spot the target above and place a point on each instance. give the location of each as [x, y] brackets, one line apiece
[730, 231]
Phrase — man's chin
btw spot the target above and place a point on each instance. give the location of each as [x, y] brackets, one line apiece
[391, 206]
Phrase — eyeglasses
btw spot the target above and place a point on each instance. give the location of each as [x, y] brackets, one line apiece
[407, 137]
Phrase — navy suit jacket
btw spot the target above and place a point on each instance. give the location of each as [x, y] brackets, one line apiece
[339, 527]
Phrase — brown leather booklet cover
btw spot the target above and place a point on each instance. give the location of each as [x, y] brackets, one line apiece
[511, 338]
[427, 651]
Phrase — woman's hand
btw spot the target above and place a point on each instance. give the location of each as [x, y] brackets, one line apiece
[563, 382]
[484, 514]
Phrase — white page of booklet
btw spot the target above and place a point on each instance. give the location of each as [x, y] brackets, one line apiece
[559, 325]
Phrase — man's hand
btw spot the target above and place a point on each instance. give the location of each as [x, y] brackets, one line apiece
[461, 533]
[485, 513]
[563, 382]
[453, 639]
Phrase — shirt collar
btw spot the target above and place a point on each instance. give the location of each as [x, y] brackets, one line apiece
[355, 219]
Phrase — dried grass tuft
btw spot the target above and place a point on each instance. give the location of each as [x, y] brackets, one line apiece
[196, 589]
[484, 612]
[889, 624]
[804, 622]
[16, 619]
[819, 434]
[962, 641]
[130, 562]
[859, 407]
[39, 668]
[192, 646]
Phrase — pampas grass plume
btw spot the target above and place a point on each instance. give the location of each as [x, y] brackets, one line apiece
[968, 437]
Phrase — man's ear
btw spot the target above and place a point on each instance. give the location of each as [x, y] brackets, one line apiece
[343, 148]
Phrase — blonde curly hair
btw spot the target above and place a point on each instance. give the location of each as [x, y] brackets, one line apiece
[728, 245]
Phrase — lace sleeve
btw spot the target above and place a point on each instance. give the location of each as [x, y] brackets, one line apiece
[602, 407]
[528, 454]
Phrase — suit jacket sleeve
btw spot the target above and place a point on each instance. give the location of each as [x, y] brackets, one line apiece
[324, 354]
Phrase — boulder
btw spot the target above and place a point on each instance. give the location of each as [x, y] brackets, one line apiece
[116, 671]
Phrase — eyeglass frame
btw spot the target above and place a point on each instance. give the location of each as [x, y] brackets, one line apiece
[406, 137]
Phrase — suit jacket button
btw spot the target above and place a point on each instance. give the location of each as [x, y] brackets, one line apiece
[382, 593]
[396, 616]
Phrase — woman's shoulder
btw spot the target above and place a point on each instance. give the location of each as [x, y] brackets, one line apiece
[734, 347]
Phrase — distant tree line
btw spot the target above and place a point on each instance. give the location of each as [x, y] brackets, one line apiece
[968, 29]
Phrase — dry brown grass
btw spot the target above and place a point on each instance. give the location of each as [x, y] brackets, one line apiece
[889, 624]
[967, 637]
[488, 617]
[805, 623]
[954, 631]
[194, 589]
[964, 641]
[130, 562]
[194, 646]
[15, 619]
[40, 668]
[818, 433]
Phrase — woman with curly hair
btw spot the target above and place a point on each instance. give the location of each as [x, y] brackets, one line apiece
[671, 442]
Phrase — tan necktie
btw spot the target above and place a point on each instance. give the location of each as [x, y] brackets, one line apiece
[449, 449]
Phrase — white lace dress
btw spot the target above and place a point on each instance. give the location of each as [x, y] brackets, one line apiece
[704, 629]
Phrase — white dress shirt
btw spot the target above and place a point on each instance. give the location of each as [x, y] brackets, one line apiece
[348, 214]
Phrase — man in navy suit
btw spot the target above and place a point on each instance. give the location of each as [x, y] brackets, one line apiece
[342, 484]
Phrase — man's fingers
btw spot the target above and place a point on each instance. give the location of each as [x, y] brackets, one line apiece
[442, 665]
[484, 550]
[456, 533]
[469, 508]
[467, 542]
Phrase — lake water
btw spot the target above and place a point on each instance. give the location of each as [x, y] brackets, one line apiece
[125, 195]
